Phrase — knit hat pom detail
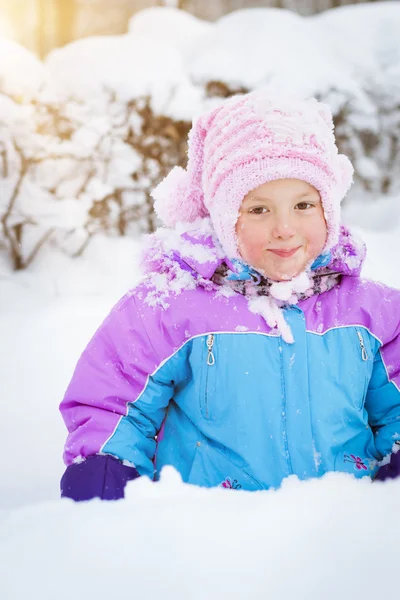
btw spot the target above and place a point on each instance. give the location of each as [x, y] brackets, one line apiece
[177, 199]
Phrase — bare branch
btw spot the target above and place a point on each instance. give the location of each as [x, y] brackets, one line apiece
[37, 247]
[9, 232]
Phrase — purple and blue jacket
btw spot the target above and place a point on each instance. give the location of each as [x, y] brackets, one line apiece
[182, 373]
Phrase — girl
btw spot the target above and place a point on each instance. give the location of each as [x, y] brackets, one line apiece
[252, 349]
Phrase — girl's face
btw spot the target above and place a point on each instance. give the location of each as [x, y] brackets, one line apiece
[281, 228]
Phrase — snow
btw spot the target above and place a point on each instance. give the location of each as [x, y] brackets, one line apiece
[21, 74]
[172, 240]
[179, 542]
[307, 55]
[315, 539]
[129, 66]
[170, 25]
[116, 63]
[377, 48]
[290, 58]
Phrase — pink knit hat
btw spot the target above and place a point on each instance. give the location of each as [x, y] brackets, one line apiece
[244, 143]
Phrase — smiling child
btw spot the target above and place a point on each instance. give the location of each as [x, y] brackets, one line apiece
[252, 349]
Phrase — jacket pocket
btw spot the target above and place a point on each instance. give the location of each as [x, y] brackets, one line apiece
[365, 361]
[211, 468]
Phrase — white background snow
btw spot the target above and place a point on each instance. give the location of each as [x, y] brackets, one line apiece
[334, 538]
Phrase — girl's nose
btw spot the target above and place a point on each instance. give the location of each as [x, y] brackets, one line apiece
[283, 228]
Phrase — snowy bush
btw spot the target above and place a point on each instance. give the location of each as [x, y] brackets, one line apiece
[108, 163]
[69, 174]
[81, 155]
[34, 148]
[24, 204]
[368, 118]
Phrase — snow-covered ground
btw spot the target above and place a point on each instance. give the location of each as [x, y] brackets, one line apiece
[47, 315]
[334, 539]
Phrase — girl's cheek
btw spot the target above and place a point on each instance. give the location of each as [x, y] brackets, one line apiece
[244, 242]
[251, 246]
[317, 240]
[243, 232]
[252, 238]
[320, 231]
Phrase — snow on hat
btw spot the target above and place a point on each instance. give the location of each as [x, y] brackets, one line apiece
[244, 143]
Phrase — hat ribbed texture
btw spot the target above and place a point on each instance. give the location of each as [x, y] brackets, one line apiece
[244, 143]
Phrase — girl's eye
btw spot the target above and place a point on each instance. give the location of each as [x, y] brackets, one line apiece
[258, 210]
[304, 205]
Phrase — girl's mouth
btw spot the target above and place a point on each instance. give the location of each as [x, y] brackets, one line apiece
[285, 253]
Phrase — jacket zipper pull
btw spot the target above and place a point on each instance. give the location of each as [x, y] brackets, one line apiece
[362, 346]
[210, 355]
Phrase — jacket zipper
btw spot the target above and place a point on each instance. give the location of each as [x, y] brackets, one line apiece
[210, 363]
[284, 416]
[210, 355]
[364, 354]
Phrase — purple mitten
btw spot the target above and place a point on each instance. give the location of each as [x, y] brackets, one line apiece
[99, 476]
[391, 470]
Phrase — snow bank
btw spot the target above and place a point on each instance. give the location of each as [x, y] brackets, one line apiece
[21, 73]
[276, 48]
[47, 315]
[169, 52]
[127, 66]
[364, 36]
[332, 538]
[170, 25]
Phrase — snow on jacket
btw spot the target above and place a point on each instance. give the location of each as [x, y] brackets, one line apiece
[182, 373]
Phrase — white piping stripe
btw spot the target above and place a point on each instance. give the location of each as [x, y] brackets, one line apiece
[346, 327]
[390, 380]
